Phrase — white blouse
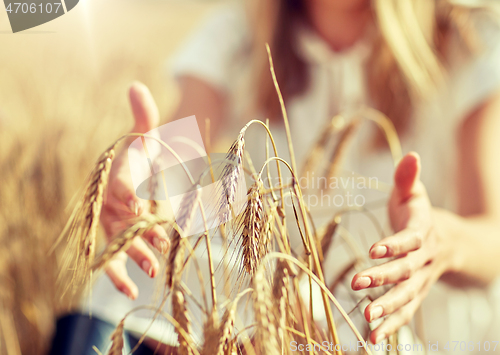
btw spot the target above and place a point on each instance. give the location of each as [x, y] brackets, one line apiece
[338, 83]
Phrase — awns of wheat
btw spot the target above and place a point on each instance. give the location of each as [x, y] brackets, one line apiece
[81, 229]
[184, 218]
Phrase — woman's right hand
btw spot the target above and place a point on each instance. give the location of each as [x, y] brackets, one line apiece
[121, 204]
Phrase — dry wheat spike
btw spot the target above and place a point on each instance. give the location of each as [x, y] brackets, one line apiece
[125, 238]
[180, 314]
[253, 223]
[184, 219]
[117, 339]
[231, 174]
[81, 229]
[266, 334]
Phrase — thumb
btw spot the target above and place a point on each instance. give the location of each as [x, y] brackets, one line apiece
[146, 115]
[407, 176]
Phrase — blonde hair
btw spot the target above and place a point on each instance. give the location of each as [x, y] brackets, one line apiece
[406, 65]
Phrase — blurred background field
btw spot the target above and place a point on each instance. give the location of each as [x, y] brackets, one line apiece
[63, 99]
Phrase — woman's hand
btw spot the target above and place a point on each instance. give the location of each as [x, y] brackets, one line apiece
[122, 205]
[422, 254]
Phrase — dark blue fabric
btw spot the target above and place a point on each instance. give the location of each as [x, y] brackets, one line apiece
[76, 334]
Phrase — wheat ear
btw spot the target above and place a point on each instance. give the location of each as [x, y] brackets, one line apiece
[117, 339]
[327, 235]
[266, 335]
[185, 216]
[231, 175]
[180, 314]
[253, 223]
[281, 286]
[333, 126]
[339, 152]
[211, 334]
[81, 229]
[125, 238]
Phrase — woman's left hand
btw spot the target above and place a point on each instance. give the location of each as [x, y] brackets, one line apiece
[422, 254]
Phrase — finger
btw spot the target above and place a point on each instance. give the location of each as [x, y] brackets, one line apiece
[113, 223]
[157, 237]
[389, 273]
[117, 272]
[143, 256]
[406, 176]
[123, 197]
[401, 243]
[144, 108]
[395, 321]
[398, 296]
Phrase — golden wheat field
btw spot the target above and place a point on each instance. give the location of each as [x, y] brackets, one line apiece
[63, 93]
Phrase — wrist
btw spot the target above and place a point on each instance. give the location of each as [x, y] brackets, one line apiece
[447, 225]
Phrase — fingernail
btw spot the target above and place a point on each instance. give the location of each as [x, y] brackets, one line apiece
[376, 312]
[378, 252]
[362, 282]
[127, 293]
[147, 267]
[379, 338]
[132, 206]
[135, 206]
[160, 244]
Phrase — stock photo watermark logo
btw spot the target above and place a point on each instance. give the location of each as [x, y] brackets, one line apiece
[24, 15]
[170, 163]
